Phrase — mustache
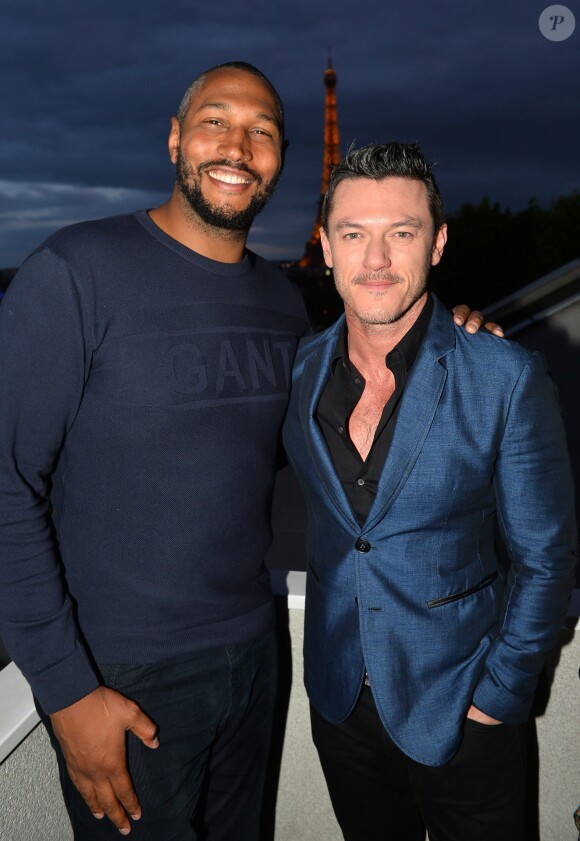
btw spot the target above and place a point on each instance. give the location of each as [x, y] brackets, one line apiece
[241, 167]
[369, 277]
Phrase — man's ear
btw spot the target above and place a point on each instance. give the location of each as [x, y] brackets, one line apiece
[326, 248]
[174, 140]
[438, 245]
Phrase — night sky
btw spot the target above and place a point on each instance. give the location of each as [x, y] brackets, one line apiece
[88, 89]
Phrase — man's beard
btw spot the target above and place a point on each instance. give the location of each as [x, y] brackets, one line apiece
[224, 217]
[381, 315]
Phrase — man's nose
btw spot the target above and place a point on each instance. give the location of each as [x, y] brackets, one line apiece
[235, 145]
[376, 254]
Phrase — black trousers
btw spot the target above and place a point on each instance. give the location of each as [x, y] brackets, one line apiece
[214, 711]
[379, 794]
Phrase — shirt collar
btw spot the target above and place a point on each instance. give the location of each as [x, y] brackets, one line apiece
[407, 347]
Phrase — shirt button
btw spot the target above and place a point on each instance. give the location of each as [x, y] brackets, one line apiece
[340, 429]
[360, 482]
[362, 545]
[357, 381]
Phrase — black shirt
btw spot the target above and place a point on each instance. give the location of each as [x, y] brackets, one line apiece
[338, 400]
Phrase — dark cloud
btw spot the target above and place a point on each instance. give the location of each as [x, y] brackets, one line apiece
[89, 88]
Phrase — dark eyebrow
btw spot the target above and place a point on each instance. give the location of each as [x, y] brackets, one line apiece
[346, 224]
[268, 118]
[410, 222]
[224, 106]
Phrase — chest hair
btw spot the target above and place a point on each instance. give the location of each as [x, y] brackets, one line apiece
[366, 415]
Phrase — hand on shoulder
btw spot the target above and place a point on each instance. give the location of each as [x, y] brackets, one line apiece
[473, 320]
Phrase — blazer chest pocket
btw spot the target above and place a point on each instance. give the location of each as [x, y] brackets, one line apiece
[485, 582]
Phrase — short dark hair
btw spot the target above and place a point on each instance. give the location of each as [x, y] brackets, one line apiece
[386, 160]
[196, 84]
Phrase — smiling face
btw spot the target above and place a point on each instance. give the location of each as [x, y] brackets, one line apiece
[228, 149]
[381, 245]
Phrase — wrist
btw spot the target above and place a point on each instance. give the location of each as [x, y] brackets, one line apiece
[476, 714]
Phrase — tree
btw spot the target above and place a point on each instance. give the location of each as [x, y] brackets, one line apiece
[492, 251]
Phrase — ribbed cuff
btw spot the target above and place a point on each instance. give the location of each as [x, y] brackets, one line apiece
[65, 682]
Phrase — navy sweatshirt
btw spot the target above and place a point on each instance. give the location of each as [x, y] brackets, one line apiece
[142, 390]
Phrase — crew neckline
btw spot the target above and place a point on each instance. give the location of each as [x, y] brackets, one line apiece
[205, 263]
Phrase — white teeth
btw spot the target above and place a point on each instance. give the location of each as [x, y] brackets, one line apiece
[229, 178]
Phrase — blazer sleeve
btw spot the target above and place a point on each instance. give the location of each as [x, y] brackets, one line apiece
[535, 503]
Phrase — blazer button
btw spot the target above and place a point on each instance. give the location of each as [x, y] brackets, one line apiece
[362, 545]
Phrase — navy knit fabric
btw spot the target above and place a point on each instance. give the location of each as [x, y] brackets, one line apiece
[142, 390]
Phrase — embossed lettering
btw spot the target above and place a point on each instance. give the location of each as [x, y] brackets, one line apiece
[283, 348]
[188, 368]
[228, 367]
[261, 363]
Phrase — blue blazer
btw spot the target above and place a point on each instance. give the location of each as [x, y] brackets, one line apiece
[417, 595]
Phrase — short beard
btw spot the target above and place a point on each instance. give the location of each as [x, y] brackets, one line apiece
[225, 217]
[380, 316]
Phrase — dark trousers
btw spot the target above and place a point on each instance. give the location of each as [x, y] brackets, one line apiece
[214, 712]
[379, 794]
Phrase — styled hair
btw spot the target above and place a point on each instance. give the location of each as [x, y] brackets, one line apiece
[198, 82]
[386, 160]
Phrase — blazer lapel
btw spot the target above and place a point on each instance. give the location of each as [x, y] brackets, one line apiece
[314, 377]
[418, 406]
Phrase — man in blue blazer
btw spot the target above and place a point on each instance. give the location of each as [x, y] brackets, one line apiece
[413, 443]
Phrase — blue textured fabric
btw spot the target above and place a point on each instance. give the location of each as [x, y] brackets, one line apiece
[142, 392]
[428, 609]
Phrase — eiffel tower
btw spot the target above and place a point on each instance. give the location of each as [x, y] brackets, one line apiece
[313, 257]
